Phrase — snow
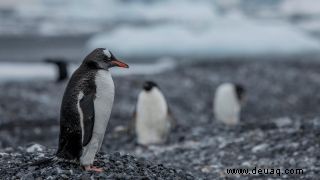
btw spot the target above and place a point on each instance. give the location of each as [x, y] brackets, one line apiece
[306, 13]
[225, 37]
[11, 71]
[31, 71]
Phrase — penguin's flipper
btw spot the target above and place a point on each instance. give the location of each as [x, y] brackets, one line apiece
[87, 107]
[171, 118]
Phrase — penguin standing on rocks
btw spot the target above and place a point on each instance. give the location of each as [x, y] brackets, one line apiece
[152, 117]
[227, 103]
[86, 108]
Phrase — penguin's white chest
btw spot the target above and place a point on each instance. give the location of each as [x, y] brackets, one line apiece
[152, 125]
[104, 100]
[103, 103]
[226, 105]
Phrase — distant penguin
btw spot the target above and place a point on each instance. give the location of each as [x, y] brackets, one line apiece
[62, 67]
[86, 108]
[152, 117]
[227, 103]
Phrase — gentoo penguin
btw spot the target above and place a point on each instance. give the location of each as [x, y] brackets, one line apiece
[227, 103]
[153, 119]
[86, 108]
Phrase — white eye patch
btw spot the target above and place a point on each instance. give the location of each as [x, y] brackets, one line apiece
[107, 53]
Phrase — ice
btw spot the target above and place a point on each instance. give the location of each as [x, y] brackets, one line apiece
[312, 25]
[101, 10]
[80, 16]
[12, 71]
[300, 7]
[225, 37]
[54, 17]
[304, 13]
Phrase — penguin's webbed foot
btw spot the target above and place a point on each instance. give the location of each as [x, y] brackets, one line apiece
[93, 168]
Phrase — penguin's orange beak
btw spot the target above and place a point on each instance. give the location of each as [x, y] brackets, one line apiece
[120, 64]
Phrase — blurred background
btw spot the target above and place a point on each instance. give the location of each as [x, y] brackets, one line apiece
[149, 29]
[270, 46]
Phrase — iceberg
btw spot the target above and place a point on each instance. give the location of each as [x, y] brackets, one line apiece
[224, 37]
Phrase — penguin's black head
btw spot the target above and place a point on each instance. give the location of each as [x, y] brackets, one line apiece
[240, 91]
[101, 58]
[148, 85]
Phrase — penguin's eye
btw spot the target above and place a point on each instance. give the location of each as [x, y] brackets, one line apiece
[106, 58]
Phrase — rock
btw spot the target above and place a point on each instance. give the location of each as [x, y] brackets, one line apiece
[34, 148]
[258, 148]
[28, 176]
[206, 169]
[119, 129]
[283, 122]
[85, 177]
[3, 154]
[123, 167]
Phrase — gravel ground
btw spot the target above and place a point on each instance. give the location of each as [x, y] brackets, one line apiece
[115, 166]
[280, 125]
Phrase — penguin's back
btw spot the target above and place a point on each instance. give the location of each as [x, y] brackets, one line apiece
[71, 135]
